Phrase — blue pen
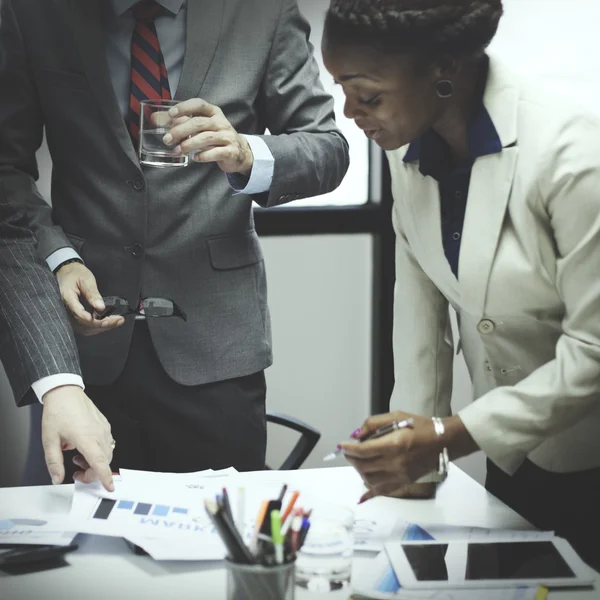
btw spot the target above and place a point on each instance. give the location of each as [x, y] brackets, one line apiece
[303, 532]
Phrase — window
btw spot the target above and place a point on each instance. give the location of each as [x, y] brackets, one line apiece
[355, 190]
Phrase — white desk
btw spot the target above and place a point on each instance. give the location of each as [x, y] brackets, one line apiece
[106, 569]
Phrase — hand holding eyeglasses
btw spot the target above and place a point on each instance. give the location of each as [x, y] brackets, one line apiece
[78, 287]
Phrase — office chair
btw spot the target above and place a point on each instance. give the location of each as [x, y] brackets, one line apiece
[308, 440]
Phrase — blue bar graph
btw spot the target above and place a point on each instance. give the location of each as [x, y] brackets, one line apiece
[106, 506]
[142, 509]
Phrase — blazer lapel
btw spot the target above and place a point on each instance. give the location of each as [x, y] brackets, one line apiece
[203, 30]
[489, 192]
[427, 228]
[491, 183]
[88, 28]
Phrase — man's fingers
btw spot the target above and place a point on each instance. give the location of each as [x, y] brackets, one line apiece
[74, 306]
[215, 155]
[54, 458]
[79, 461]
[194, 106]
[98, 460]
[87, 476]
[90, 292]
[195, 126]
[100, 325]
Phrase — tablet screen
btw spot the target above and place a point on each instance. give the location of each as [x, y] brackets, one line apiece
[508, 560]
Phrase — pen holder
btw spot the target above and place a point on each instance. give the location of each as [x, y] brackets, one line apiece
[256, 582]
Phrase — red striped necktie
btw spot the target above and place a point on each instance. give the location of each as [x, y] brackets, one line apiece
[149, 79]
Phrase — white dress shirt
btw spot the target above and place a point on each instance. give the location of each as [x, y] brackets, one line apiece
[171, 30]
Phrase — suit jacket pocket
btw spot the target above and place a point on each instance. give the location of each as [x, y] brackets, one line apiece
[65, 79]
[234, 251]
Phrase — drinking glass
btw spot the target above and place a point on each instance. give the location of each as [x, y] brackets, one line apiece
[155, 124]
[324, 562]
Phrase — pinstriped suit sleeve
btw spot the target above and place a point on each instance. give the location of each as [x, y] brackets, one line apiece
[36, 340]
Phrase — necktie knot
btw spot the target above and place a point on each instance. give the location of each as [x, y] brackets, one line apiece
[146, 10]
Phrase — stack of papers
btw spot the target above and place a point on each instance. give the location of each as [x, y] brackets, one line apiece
[164, 514]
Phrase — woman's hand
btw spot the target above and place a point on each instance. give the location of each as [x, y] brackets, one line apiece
[391, 463]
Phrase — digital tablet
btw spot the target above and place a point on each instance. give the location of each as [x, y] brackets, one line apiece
[464, 564]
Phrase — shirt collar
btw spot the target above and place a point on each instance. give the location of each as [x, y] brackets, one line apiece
[430, 148]
[120, 7]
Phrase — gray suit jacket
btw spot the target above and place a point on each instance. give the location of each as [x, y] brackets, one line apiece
[36, 340]
[175, 233]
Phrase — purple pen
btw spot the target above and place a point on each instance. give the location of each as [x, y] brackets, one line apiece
[407, 423]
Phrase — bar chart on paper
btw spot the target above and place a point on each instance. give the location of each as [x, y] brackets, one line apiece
[150, 518]
[106, 506]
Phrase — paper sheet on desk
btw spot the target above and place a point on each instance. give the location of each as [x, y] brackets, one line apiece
[175, 526]
[149, 478]
[37, 530]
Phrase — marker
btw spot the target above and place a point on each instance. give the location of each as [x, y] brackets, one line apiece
[262, 511]
[241, 510]
[395, 426]
[288, 509]
[276, 536]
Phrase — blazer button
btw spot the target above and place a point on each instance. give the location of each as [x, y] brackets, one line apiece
[486, 326]
[138, 184]
[488, 366]
[137, 250]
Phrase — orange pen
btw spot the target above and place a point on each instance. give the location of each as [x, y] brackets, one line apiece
[262, 511]
[288, 510]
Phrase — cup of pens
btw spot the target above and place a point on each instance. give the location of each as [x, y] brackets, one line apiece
[260, 562]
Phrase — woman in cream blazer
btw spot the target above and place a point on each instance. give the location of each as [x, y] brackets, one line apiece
[496, 187]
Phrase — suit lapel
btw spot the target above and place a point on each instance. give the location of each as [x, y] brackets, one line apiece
[489, 192]
[425, 208]
[491, 183]
[204, 24]
[88, 28]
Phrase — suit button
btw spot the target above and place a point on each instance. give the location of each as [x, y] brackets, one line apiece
[487, 366]
[138, 184]
[486, 326]
[137, 250]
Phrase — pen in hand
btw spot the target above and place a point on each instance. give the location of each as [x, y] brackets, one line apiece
[406, 424]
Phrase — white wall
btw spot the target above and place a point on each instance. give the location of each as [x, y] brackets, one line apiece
[320, 295]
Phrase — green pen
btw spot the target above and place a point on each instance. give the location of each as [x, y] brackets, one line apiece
[276, 536]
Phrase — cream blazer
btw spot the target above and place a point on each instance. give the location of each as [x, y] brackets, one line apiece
[528, 290]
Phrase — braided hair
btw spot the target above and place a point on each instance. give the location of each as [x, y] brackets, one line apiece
[430, 29]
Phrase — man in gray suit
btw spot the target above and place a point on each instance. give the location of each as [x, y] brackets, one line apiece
[39, 354]
[180, 395]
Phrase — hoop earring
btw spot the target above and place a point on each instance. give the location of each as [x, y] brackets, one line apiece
[444, 88]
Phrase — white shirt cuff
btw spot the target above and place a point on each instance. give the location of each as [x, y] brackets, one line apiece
[47, 384]
[261, 176]
[60, 256]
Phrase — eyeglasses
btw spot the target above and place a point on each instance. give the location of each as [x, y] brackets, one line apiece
[149, 307]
